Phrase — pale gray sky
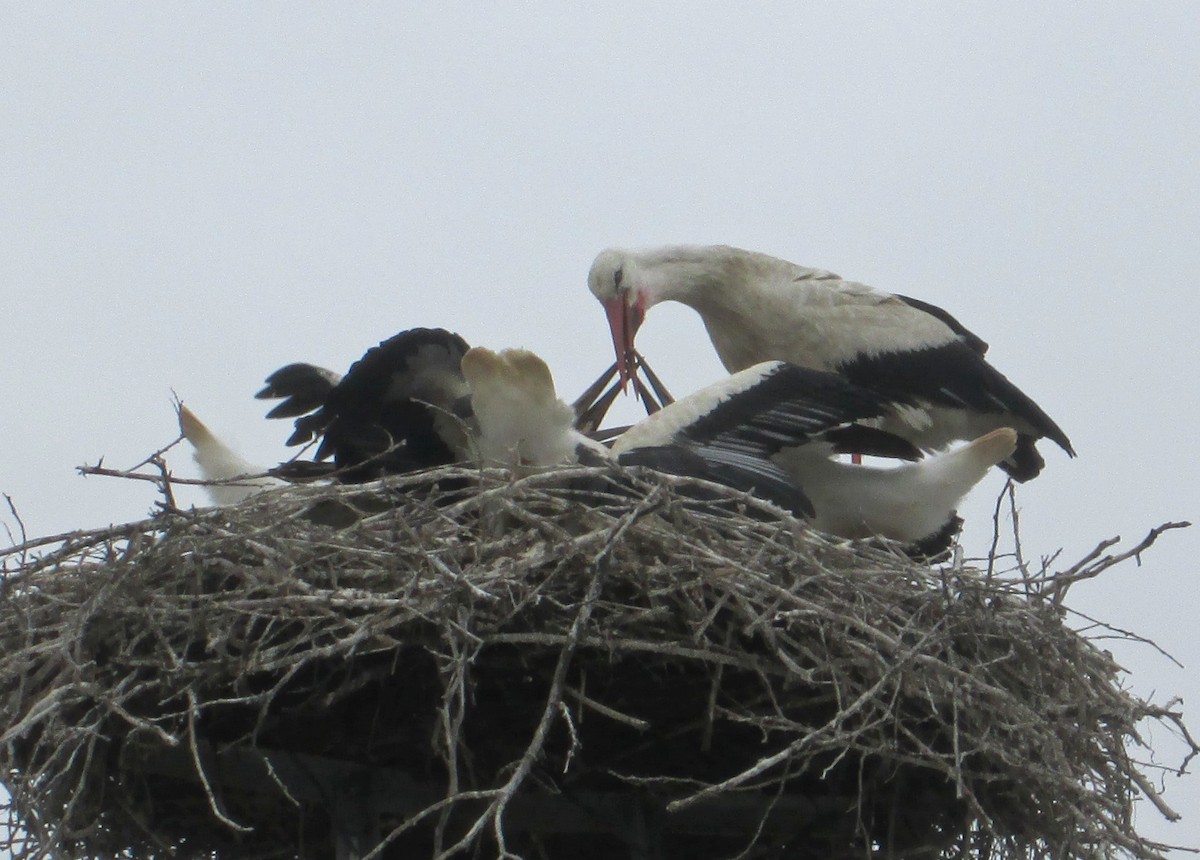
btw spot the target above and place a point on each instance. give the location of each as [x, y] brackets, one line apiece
[193, 194]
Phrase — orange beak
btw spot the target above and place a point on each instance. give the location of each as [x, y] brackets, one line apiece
[624, 319]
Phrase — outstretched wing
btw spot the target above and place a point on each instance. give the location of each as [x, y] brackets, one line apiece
[771, 406]
[729, 431]
[393, 411]
[733, 469]
[952, 375]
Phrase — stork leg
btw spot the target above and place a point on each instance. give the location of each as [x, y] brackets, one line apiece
[587, 400]
[664, 396]
[590, 420]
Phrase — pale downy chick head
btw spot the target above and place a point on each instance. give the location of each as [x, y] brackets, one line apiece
[519, 414]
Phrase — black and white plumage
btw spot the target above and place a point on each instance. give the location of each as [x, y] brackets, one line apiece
[796, 419]
[402, 407]
[520, 418]
[772, 430]
[758, 308]
[399, 408]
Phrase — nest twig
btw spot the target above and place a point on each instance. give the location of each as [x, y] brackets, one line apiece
[575, 663]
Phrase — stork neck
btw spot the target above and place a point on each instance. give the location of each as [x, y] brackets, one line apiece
[749, 302]
[682, 274]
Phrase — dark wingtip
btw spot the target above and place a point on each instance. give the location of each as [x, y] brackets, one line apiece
[307, 428]
[1026, 463]
[298, 379]
[299, 437]
[1055, 434]
[287, 409]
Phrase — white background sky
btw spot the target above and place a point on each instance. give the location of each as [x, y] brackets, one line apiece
[192, 195]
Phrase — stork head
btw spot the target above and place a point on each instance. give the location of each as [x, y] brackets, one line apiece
[614, 280]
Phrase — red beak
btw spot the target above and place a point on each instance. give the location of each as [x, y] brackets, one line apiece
[624, 320]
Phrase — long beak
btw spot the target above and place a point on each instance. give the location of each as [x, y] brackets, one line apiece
[624, 320]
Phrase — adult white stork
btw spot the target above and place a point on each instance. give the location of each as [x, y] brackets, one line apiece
[771, 429]
[758, 308]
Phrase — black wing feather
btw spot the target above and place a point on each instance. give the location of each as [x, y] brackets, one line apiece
[781, 406]
[870, 441]
[378, 419]
[953, 375]
[749, 474]
[791, 405]
[302, 387]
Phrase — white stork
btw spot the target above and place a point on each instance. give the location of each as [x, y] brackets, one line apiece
[422, 399]
[770, 429]
[405, 405]
[401, 407]
[758, 308]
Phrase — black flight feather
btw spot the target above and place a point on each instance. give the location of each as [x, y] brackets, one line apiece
[380, 418]
[952, 375]
[302, 387]
[790, 405]
[754, 475]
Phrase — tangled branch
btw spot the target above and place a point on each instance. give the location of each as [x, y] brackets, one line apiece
[570, 663]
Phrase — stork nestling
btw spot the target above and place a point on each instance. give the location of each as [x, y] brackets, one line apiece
[403, 406]
[517, 416]
[770, 430]
[758, 308]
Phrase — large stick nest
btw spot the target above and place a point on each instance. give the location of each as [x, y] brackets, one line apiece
[513, 664]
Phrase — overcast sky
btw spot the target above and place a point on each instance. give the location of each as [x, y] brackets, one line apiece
[193, 195]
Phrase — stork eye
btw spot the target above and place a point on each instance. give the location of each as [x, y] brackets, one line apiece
[617, 275]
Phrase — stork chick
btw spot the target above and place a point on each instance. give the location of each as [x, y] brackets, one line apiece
[517, 411]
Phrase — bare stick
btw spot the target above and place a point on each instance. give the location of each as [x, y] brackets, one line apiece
[1090, 567]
